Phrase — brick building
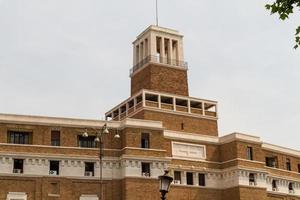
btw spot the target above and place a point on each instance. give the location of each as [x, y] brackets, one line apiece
[160, 127]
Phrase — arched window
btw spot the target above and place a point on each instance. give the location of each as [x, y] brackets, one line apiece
[252, 180]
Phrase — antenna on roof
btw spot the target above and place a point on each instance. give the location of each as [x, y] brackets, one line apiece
[156, 13]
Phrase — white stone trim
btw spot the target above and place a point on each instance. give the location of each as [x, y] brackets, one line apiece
[176, 135]
[16, 195]
[239, 136]
[78, 123]
[179, 148]
[281, 149]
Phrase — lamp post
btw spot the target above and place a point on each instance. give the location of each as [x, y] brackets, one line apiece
[164, 184]
[99, 139]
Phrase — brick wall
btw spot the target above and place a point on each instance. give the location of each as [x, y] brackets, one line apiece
[174, 122]
[161, 79]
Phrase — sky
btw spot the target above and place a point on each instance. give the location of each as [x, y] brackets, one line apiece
[71, 58]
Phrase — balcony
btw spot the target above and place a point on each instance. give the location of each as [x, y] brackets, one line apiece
[159, 60]
[163, 102]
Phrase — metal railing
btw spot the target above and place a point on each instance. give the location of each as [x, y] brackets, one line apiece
[159, 59]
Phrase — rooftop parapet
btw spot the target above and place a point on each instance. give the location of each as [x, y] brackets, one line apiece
[171, 103]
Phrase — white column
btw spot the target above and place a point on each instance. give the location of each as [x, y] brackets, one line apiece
[203, 109]
[145, 49]
[189, 105]
[159, 101]
[144, 99]
[170, 52]
[195, 178]
[134, 104]
[127, 109]
[174, 103]
[162, 50]
[152, 45]
[183, 178]
[134, 55]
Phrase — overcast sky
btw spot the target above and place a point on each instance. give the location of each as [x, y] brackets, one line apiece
[71, 58]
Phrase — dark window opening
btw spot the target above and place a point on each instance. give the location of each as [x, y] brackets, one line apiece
[249, 153]
[298, 168]
[291, 188]
[201, 178]
[274, 185]
[54, 167]
[19, 137]
[189, 178]
[182, 126]
[145, 140]
[252, 179]
[55, 138]
[177, 177]
[18, 166]
[145, 169]
[89, 169]
[271, 161]
[87, 142]
[288, 164]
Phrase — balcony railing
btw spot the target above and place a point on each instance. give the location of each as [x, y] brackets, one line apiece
[161, 60]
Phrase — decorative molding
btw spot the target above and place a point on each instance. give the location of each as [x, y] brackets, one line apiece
[188, 151]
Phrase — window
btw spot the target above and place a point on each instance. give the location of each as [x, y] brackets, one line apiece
[177, 177]
[19, 137]
[89, 169]
[145, 169]
[288, 164]
[201, 179]
[18, 166]
[291, 188]
[252, 179]
[189, 178]
[55, 138]
[271, 161]
[249, 153]
[87, 142]
[274, 185]
[298, 168]
[54, 167]
[145, 141]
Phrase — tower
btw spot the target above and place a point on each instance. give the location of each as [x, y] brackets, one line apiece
[159, 86]
[158, 62]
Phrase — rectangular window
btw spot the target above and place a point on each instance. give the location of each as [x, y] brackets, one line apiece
[89, 169]
[271, 161]
[87, 142]
[145, 140]
[288, 164]
[252, 181]
[189, 178]
[54, 167]
[55, 138]
[19, 137]
[177, 177]
[18, 166]
[145, 169]
[298, 168]
[201, 179]
[249, 153]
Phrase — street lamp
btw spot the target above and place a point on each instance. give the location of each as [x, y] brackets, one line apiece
[164, 184]
[99, 139]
